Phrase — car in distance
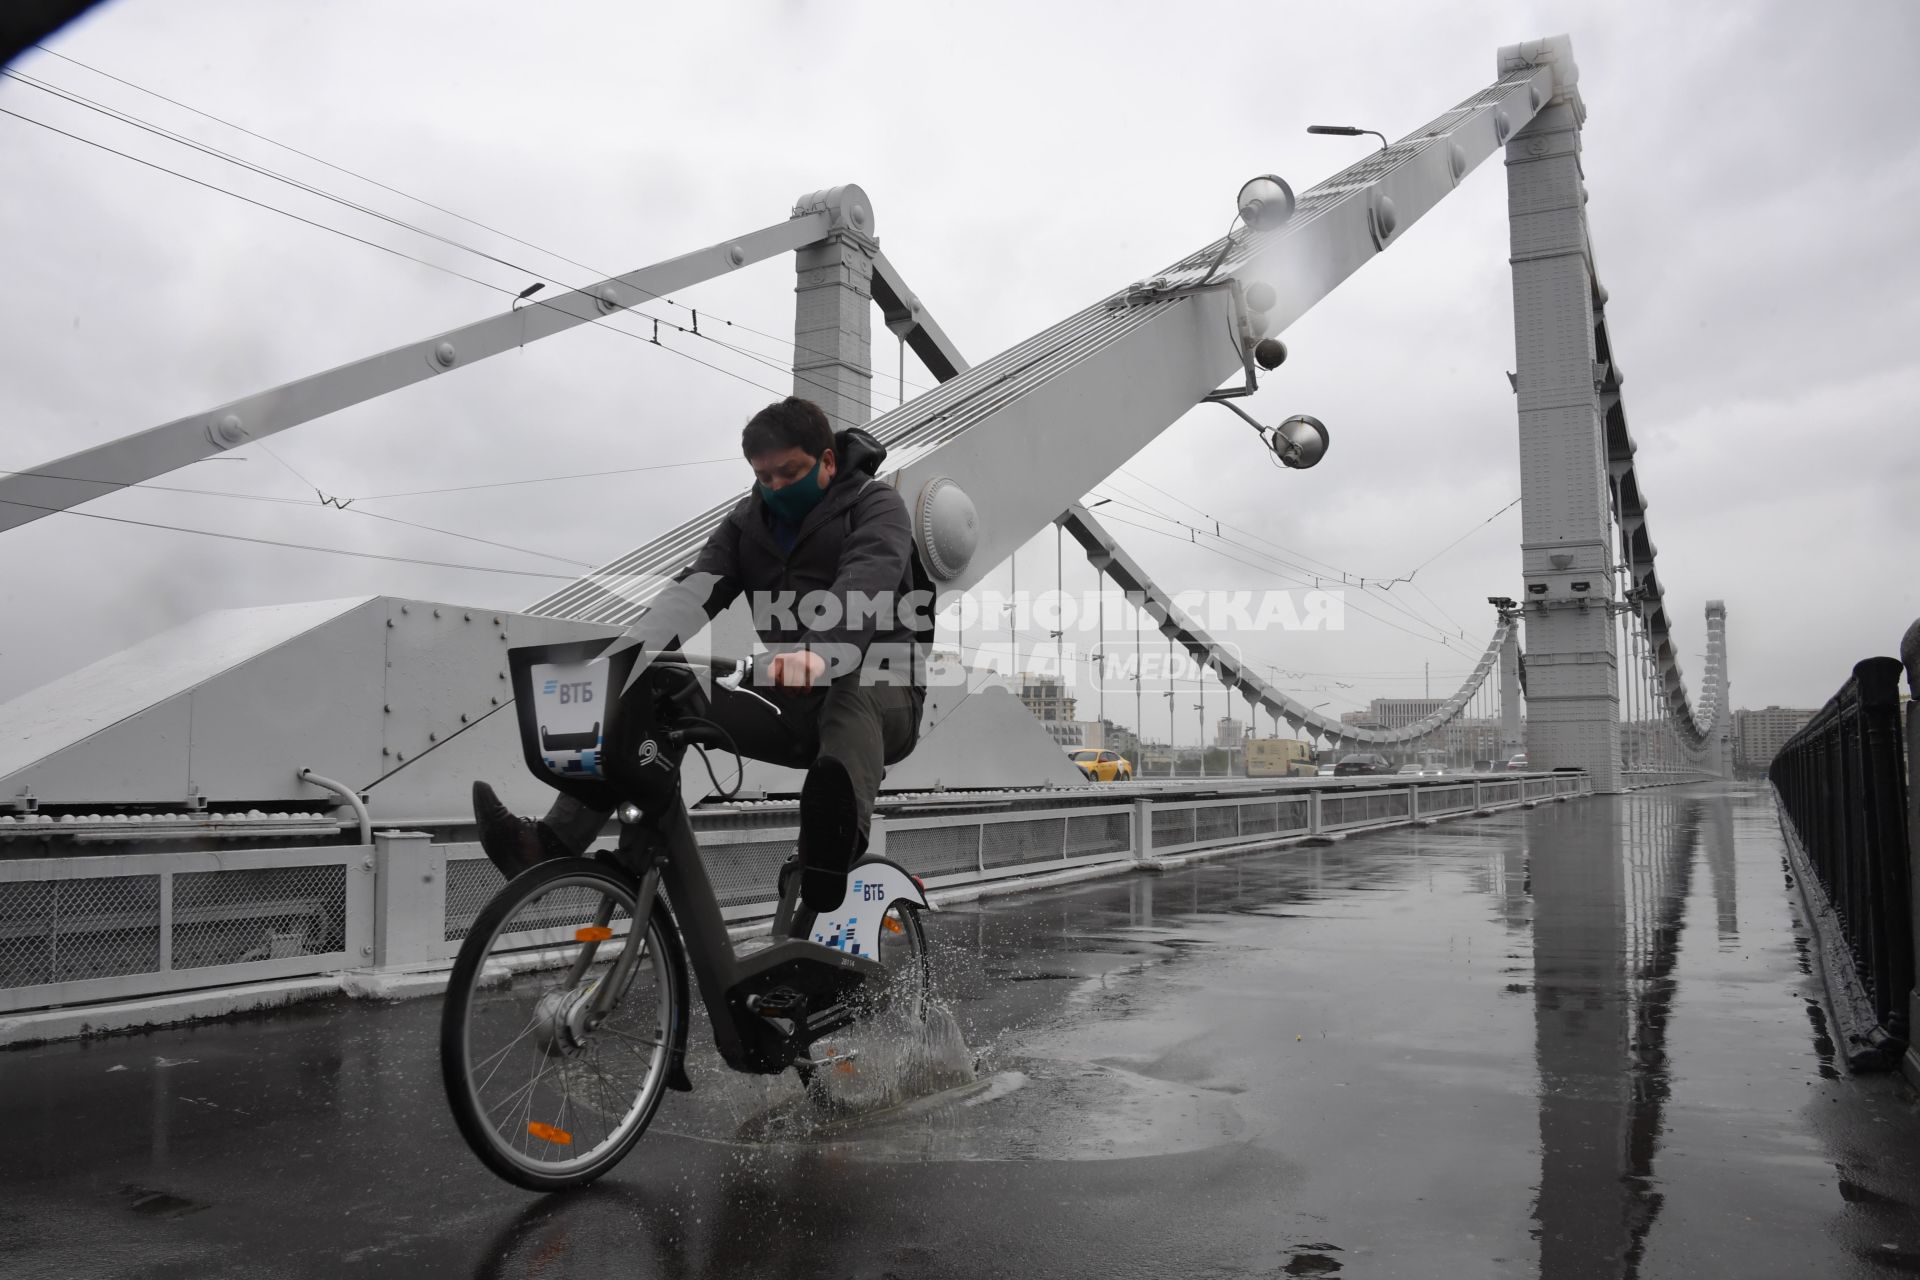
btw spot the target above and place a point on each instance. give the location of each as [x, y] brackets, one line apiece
[1361, 763]
[1102, 766]
[1279, 758]
[1517, 763]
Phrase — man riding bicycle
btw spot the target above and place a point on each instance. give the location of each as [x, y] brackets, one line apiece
[823, 553]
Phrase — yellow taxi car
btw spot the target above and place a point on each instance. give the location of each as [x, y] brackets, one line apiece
[1102, 766]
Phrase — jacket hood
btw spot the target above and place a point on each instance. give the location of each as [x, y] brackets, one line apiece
[858, 450]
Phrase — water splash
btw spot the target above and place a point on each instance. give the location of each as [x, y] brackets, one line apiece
[898, 1060]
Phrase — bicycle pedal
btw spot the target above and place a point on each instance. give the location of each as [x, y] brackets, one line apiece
[840, 1061]
[782, 1002]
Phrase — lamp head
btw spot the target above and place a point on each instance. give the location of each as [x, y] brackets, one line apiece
[1299, 442]
[1265, 202]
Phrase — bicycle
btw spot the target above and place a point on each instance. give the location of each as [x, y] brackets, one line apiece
[560, 1035]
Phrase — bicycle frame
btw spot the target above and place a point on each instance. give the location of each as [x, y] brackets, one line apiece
[633, 763]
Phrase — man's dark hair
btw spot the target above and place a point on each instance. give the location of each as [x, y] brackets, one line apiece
[792, 423]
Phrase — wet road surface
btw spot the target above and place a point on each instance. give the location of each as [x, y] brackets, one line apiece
[1578, 1041]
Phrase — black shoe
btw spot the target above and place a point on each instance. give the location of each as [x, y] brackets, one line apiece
[512, 842]
[830, 838]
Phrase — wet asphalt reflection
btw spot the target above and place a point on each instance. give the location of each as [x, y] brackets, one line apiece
[1577, 1041]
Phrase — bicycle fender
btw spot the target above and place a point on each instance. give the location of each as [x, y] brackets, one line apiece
[677, 1051]
[873, 885]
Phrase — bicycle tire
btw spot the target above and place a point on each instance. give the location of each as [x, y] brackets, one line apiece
[542, 906]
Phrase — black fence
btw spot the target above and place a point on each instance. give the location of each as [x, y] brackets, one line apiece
[1842, 781]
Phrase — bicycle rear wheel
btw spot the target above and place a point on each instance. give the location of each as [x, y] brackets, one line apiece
[902, 951]
[551, 1076]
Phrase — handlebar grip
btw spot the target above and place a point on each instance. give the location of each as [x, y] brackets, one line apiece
[719, 666]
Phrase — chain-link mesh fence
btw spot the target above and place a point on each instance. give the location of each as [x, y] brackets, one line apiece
[268, 913]
[71, 930]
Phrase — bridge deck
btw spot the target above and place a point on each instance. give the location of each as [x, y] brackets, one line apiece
[1575, 1041]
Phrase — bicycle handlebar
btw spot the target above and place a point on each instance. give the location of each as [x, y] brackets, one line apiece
[719, 666]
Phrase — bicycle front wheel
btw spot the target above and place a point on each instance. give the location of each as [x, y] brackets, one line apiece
[556, 1045]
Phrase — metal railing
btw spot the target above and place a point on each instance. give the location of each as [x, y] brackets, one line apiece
[78, 929]
[1841, 784]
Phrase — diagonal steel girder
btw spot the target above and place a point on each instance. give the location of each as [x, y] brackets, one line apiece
[91, 473]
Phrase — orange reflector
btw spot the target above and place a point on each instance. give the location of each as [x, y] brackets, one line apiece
[893, 926]
[547, 1133]
[592, 933]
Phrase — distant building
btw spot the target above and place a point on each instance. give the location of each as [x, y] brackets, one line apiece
[1066, 733]
[1398, 713]
[1117, 737]
[1759, 735]
[1046, 697]
[1360, 720]
[1077, 733]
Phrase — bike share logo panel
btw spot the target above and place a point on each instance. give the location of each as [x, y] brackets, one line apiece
[568, 702]
[869, 895]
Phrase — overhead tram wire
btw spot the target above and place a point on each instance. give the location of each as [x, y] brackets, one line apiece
[579, 475]
[545, 277]
[1382, 587]
[595, 321]
[292, 546]
[128, 118]
[1442, 640]
[147, 485]
[1300, 573]
[1285, 567]
[1346, 577]
[1383, 582]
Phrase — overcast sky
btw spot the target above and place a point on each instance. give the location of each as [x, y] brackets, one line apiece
[1753, 177]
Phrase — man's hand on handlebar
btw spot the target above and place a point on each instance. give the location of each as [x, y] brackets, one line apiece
[800, 669]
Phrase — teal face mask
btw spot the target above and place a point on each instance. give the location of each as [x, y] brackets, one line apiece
[792, 502]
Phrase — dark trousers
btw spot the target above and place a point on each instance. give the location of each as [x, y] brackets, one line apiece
[864, 726]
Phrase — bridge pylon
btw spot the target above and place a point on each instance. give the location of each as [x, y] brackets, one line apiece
[1573, 703]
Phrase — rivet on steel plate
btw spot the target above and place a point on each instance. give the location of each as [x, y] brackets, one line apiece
[444, 355]
[607, 298]
[736, 255]
[227, 431]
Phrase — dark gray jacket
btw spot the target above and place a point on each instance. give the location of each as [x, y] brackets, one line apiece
[851, 588]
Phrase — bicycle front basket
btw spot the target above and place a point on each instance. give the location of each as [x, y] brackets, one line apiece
[567, 698]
